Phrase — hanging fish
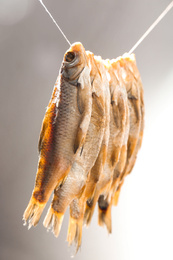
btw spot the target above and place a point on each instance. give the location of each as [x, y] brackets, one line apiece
[64, 129]
[75, 182]
[90, 136]
[129, 77]
[119, 129]
[101, 106]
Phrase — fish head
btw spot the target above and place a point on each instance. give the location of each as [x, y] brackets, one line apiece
[75, 60]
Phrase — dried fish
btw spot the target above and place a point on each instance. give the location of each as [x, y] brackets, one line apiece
[75, 182]
[90, 137]
[63, 130]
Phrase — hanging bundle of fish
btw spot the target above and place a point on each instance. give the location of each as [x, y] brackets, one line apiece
[89, 140]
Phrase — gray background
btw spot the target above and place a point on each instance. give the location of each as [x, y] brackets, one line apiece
[31, 51]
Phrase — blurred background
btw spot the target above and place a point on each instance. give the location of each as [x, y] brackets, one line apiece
[31, 51]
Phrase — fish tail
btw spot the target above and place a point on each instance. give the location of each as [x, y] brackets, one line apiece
[33, 212]
[96, 172]
[89, 210]
[44, 186]
[53, 220]
[104, 217]
[87, 215]
[36, 205]
[74, 234]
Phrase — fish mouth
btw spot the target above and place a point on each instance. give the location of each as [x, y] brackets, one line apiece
[75, 60]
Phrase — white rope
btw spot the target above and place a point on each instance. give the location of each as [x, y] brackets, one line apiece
[54, 21]
[168, 8]
[161, 16]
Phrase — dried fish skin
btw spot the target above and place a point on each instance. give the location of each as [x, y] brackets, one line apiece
[63, 130]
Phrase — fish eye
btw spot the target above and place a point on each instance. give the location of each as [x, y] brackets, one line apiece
[69, 57]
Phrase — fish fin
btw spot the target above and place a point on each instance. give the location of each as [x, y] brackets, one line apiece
[117, 194]
[33, 212]
[98, 104]
[104, 213]
[89, 210]
[81, 133]
[80, 137]
[84, 100]
[53, 220]
[80, 102]
[42, 133]
[95, 172]
[133, 91]
[116, 197]
[119, 111]
[115, 155]
[47, 115]
[74, 234]
[104, 217]
[133, 147]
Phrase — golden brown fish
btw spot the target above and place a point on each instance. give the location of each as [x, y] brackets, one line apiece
[132, 82]
[119, 116]
[90, 137]
[75, 183]
[136, 105]
[99, 91]
[63, 130]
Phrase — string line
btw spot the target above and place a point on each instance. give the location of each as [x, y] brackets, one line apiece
[54, 21]
[161, 16]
